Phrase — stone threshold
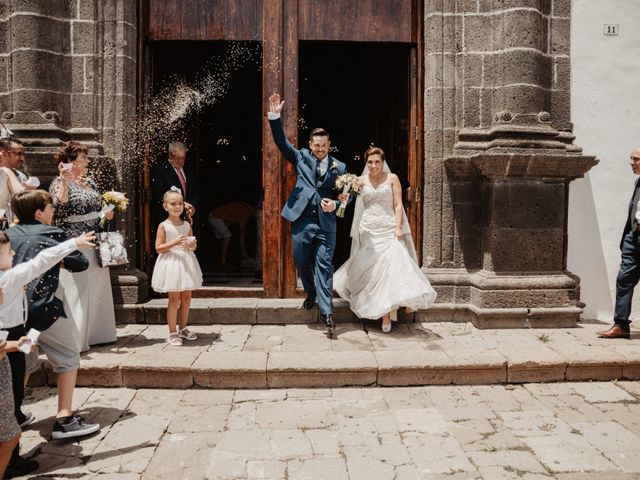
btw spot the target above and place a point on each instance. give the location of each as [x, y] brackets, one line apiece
[289, 311]
[450, 354]
[283, 311]
[239, 311]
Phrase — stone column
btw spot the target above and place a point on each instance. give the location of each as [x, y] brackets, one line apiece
[70, 70]
[508, 159]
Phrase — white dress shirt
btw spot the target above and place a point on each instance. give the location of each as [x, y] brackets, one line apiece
[324, 164]
[13, 311]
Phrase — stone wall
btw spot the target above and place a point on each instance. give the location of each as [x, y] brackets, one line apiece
[68, 71]
[499, 157]
[73, 59]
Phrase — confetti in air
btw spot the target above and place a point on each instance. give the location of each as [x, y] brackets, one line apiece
[162, 117]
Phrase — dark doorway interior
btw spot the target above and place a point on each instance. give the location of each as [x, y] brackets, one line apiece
[224, 139]
[359, 92]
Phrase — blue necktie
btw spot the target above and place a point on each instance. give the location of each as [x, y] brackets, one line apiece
[318, 170]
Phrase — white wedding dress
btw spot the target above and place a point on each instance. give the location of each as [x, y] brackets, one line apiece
[382, 273]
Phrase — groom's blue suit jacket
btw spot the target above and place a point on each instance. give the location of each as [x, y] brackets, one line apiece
[307, 189]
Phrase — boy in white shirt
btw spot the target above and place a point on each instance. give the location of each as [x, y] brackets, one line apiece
[13, 310]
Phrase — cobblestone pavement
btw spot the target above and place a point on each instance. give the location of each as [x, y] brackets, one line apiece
[568, 431]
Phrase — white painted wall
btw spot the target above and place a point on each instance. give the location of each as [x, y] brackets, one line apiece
[605, 110]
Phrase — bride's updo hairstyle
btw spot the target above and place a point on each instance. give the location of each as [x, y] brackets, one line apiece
[69, 151]
[374, 151]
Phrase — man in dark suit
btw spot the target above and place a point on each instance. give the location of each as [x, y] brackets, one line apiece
[173, 173]
[311, 208]
[629, 273]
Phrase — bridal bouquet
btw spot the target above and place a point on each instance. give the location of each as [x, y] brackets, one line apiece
[112, 200]
[350, 184]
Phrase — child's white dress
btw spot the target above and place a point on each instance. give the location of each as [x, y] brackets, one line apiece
[176, 270]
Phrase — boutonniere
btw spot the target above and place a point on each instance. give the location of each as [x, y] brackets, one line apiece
[334, 167]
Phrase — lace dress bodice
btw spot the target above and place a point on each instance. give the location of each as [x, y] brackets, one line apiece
[378, 215]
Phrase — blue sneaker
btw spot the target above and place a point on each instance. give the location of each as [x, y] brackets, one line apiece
[73, 426]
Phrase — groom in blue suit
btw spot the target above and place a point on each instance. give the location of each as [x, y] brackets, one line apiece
[311, 208]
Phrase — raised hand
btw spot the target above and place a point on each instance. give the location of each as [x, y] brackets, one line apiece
[85, 240]
[275, 105]
[64, 172]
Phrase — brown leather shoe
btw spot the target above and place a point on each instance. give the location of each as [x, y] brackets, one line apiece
[615, 332]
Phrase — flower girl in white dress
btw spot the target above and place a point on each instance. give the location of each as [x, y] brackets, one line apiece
[382, 272]
[177, 271]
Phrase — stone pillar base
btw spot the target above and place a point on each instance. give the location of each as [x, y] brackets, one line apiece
[129, 286]
[489, 300]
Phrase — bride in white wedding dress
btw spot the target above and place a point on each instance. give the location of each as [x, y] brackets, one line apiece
[382, 272]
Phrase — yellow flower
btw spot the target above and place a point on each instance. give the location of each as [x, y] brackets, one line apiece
[118, 199]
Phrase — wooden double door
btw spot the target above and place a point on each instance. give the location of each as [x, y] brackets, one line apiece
[352, 67]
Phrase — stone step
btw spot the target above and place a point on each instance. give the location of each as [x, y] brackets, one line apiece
[239, 311]
[278, 356]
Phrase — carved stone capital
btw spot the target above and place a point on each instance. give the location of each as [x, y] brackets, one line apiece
[500, 165]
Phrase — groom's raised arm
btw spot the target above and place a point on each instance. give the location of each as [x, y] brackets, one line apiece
[291, 154]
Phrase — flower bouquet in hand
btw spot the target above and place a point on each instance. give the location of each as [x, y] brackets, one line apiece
[112, 200]
[111, 246]
[350, 184]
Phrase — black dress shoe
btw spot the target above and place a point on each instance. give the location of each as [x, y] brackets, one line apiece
[20, 466]
[327, 319]
[617, 331]
[309, 302]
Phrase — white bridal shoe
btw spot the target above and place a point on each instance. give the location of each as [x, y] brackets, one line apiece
[393, 316]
